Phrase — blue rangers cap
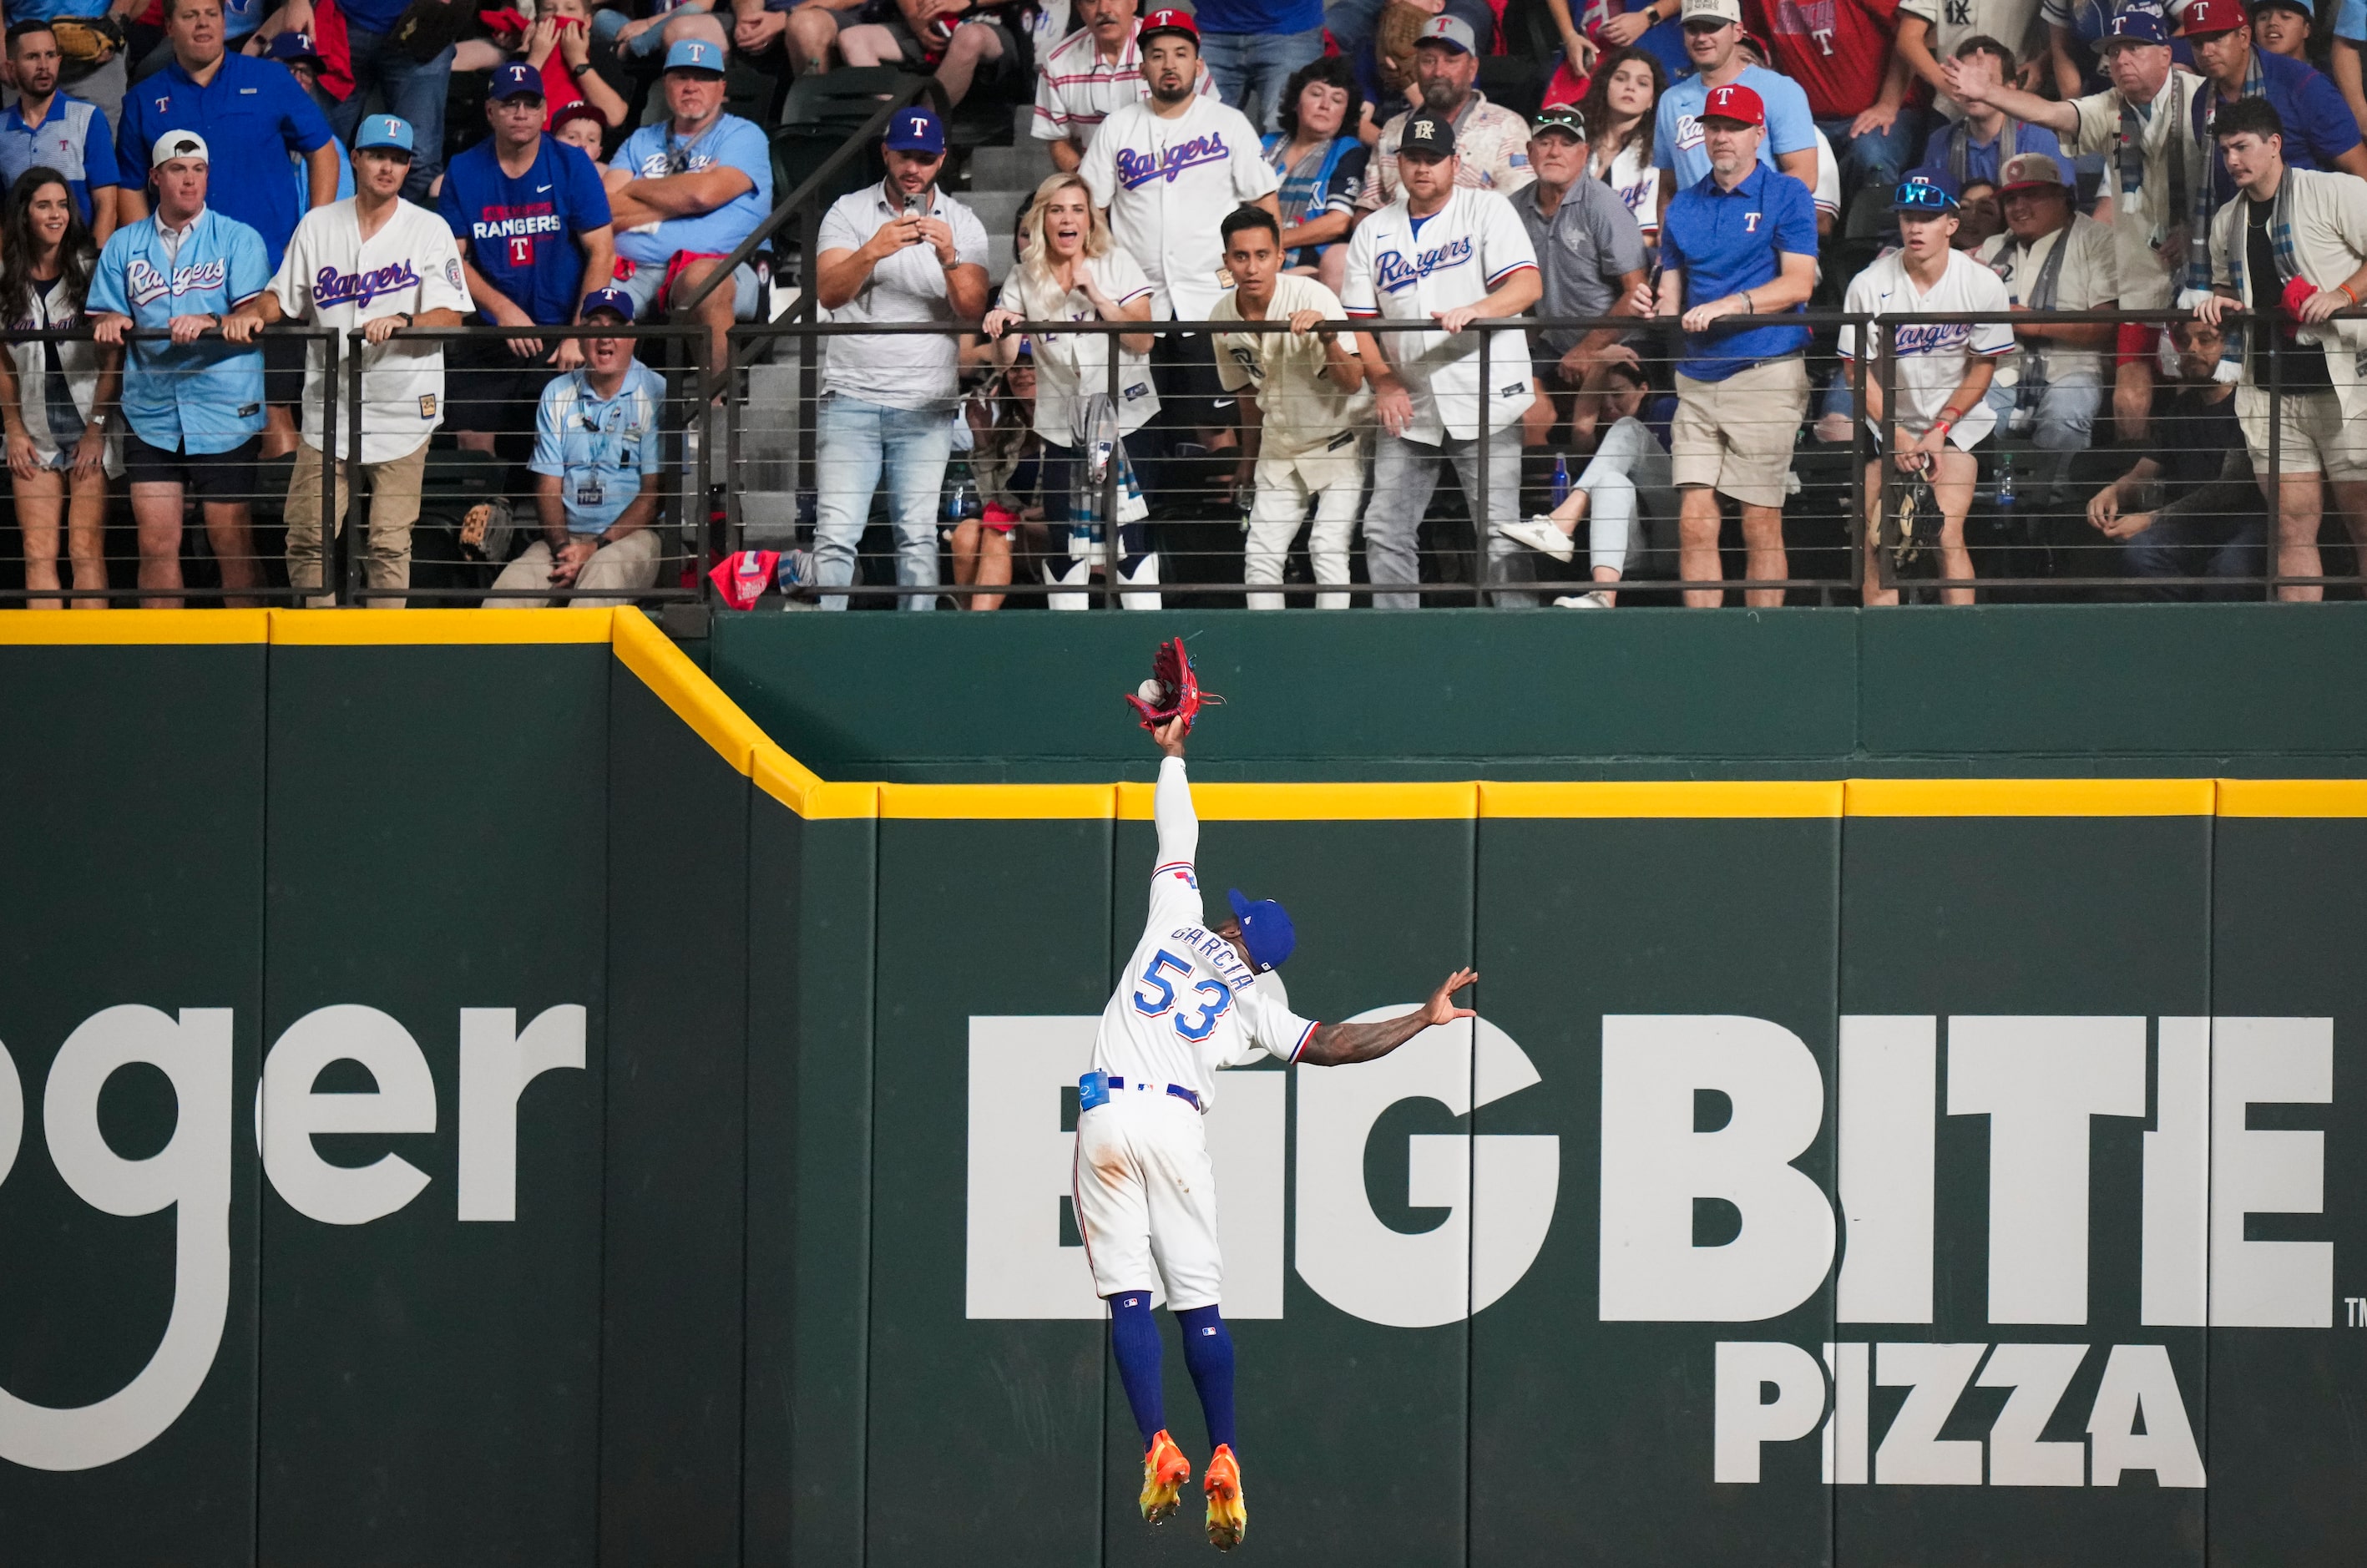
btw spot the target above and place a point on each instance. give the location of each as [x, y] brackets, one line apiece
[695, 54]
[2132, 25]
[915, 128]
[1924, 190]
[384, 131]
[1266, 930]
[514, 80]
[294, 46]
[614, 301]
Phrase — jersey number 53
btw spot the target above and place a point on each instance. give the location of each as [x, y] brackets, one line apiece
[1219, 995]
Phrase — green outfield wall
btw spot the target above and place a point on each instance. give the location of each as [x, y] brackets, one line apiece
[477, 1089]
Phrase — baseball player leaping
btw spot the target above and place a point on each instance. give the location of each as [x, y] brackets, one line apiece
[1145, 1193]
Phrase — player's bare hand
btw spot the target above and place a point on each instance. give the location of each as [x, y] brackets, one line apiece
[108, 328]
[1304, 322]
[188, 329]
[1171, 734]
[1440, 1007]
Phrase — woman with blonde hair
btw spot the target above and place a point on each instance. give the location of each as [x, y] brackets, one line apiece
[1073, 271]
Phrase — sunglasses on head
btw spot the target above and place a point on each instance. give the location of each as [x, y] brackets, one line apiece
[1919, 196]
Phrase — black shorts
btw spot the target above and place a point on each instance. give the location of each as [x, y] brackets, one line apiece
[208, 476]
[490, 390]
[283, 370]
[1183, 369]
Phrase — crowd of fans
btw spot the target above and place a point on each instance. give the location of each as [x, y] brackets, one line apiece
[1330, 179]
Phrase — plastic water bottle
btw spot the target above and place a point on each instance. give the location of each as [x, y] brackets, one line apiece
[2005, 490]
[1560, 482]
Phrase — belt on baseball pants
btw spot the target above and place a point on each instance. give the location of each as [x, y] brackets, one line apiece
[1095, 1088]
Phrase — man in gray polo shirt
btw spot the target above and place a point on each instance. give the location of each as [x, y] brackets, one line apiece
[1590, 258]
[900, 251]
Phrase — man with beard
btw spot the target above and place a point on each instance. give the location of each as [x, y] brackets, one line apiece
[1491, 143]
[48, 129]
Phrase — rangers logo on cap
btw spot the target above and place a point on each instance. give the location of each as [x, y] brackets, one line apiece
[1734, 102]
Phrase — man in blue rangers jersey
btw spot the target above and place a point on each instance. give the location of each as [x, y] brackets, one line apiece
[596, 461]
[194, 408]
[1145, 1195]
[46, 128]
[532, 222]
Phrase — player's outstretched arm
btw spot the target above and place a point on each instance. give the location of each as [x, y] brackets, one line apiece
[1171, 734]
[1336, 1045]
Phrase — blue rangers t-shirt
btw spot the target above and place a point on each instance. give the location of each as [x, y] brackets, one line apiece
[198, 397]
[653, 151]
[72, 139]
[252, 116]
[520, 234]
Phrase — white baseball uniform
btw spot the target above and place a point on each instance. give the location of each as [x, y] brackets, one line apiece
[1401, 267]
[331, 277]
[1145, 1192]
[1168, 185]
[1932, 358]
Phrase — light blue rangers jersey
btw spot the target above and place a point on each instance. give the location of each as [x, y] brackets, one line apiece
[200, 397]
[600, 450]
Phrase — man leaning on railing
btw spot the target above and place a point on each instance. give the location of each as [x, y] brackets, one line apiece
[2293, 251]
[900, 251]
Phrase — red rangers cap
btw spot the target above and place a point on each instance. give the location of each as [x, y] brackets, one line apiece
[1738, 102]
[1180, 23]
[2204, 17]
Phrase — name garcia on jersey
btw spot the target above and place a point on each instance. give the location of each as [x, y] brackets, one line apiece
[1392, 272]
[1136, 170]
[143, 283]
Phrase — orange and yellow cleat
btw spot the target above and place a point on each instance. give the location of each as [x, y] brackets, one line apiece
[1165, 1471]
[1228, 1515]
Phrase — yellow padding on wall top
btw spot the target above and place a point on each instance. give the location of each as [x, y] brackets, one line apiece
[2292, 798]
[2031, 797]
[91, 628]
[1671, 798]
[979, 803]
[366, 627]
[1314, 802]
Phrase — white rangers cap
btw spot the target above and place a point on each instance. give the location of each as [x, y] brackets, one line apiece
[179, 144]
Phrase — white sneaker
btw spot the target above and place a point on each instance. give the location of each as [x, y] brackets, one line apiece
[1538, 533]
[1582, 601]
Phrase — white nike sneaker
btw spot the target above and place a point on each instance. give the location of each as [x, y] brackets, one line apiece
[1582, 601]
[1538, 533]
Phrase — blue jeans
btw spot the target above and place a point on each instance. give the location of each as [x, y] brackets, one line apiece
[644, 45]
[1878, 158]
[854, 440]
[1251, 69]
[413, 91]
[2184, 545]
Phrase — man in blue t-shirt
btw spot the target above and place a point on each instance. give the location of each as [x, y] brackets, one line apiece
[1713, 40]
[48, 129]
[705, 178]
[532, 222]
[195, 404]
[1741, 241]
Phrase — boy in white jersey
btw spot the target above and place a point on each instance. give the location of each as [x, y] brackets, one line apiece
[1145, 1193]
[1942, 376]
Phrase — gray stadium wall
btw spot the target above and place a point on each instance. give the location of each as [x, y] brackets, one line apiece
[1921, 1130]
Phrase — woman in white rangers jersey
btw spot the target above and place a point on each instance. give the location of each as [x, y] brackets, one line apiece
[1943, 370]
[1145, 1193]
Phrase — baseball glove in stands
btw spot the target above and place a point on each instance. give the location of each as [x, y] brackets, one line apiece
[1173, 690]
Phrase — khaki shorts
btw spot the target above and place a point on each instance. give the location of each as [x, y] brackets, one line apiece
[1736, 436]
[2312, 437]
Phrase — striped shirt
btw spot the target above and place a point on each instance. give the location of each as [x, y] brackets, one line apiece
[1076, 89]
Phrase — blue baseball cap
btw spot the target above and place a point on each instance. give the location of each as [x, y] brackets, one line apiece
[2132, 25]
[915, 128]
[1924, 190]
[295, 46]
[514, 80]
[1266, 930]
[695, 54]
[384, 131]
[612, 300]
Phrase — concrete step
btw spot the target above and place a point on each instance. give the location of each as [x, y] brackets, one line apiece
[999, 253]
[1021, 166]
[997, 210]
[768, 452]
[1023, 120]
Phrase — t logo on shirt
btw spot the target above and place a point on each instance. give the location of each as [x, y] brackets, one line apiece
[522, 251]
[1751, 222]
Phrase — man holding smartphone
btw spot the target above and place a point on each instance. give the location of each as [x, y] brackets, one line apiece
[900, 251]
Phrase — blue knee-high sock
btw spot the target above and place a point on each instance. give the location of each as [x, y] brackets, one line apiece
[1134, 1340]
[1208, 1354]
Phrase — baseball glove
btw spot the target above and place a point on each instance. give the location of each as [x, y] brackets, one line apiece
[88, 40]
[1173, 690]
